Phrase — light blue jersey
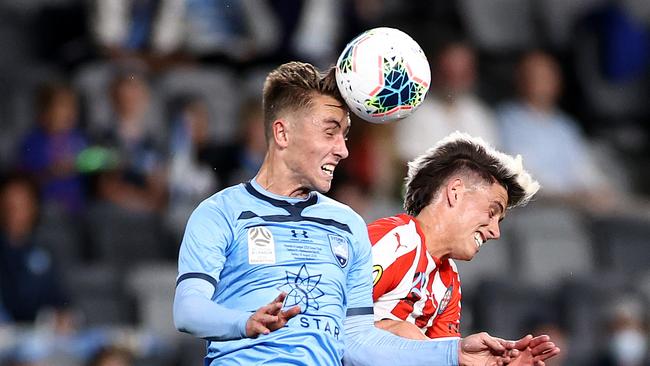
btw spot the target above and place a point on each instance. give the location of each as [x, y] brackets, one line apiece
[252, 245]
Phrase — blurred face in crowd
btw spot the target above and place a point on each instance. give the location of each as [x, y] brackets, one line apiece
[456, 70]
[539, 80]
[316, 139]
[19, 209]
[628, 343]
[131, 97]
[474, 216]
[61, 112]
[197, 118]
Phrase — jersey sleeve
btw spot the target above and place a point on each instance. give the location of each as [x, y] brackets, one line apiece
[447, 323]
[359, 282]
[387, 270]
[205, 243]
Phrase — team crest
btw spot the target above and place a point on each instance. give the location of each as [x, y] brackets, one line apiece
[445, 300]
[339, 248]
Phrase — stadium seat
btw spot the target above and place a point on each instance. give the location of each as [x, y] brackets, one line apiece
[96, 292]
[60, 236]
[550, 243]
[503, 307]
[583, 303]
[123, 238]
[152, 286]
[622, 243]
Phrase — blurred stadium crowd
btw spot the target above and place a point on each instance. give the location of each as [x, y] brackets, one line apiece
[118, 116]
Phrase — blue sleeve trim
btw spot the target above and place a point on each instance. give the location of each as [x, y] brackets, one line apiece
[200, 275]
[360, 311]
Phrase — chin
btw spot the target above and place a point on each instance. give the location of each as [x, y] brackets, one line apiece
[323, 187]
[469, 255]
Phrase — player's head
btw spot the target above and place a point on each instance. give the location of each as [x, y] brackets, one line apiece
[305, 123]
[472, 184]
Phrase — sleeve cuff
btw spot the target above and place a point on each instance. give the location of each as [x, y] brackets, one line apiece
[241, 323]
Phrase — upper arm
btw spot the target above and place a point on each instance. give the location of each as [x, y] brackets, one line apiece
[359, 281]
[205, 243]
[385, 272]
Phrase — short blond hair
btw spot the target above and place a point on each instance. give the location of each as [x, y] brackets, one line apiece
[292, 86]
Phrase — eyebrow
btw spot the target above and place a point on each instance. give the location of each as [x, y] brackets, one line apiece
[334, 105]
[338, 125]
[501, 209]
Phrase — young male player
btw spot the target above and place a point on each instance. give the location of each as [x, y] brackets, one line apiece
[277, 237]
[456, 195]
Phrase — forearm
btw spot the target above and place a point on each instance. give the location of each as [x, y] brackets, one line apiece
[368, 345]
[195, 313]
[401, 328]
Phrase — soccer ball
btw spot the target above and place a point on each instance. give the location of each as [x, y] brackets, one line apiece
[383, 75]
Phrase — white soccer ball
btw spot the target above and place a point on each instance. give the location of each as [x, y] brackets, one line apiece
[383, 75]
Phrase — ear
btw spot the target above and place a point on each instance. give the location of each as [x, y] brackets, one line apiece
[455, 190]
[279, 128]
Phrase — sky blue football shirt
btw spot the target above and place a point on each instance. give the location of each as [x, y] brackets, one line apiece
[252, 245]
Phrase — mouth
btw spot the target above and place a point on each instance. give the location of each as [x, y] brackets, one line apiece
[478, 240]
[328, 169]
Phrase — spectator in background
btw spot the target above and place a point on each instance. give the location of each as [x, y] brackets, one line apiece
[137, 29]
[139, 181]
[452, 105]
[546, 323]
[239, 161]
[112, 356]
[191, 177]
[550, 141]
[50, 150]
[372, 176]
[29, 283]
[627, 334]
[162, 33]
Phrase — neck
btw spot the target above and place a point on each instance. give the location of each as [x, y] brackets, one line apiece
[17, 237]
[433, 229]
[540, 105]
[275, 177]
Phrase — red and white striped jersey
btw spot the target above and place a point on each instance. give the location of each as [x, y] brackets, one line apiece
[410, 284]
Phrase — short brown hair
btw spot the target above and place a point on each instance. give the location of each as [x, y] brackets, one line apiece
[292, 86]
[461, 153]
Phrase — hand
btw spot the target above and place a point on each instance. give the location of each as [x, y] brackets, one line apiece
[482, 349]
[531, 351]
[401, 328]
[270, 317]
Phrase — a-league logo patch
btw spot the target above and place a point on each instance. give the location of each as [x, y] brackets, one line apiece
[261, 246]
[339, 248]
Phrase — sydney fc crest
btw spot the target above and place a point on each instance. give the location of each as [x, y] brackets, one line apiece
[340, 249]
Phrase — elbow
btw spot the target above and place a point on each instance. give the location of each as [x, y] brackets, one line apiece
[184, 319]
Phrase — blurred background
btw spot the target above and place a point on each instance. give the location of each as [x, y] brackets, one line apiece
[118, 116]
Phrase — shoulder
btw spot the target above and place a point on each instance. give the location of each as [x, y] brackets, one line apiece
[509, 108]
[224, 201]
[339, 210]
[379, 228]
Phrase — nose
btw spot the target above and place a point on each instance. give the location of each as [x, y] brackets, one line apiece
[340, 149]
[493, 229]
